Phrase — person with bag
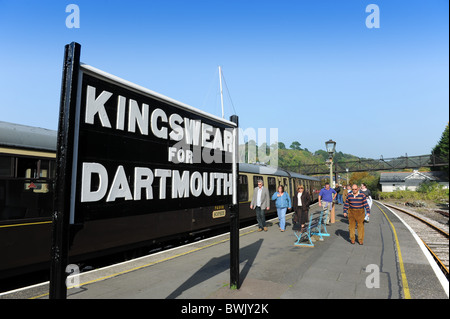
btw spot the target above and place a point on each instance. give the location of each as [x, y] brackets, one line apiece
[356, 206]
[368, 194]
[283, 203]
[301, 202]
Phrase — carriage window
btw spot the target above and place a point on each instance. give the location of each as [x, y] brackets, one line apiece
[33, 170]
[243, 188]
[6, 166]
[286, 185]
[26, 167]
[272, 185]
[256, 179]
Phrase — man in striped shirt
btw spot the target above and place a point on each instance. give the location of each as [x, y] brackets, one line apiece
[355, 204]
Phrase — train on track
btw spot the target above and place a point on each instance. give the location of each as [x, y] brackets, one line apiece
[27, 174]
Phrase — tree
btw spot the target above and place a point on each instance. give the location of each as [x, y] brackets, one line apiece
[281, 146]
[370, 179]
[295, 146]
[322, 154]
[441, 148]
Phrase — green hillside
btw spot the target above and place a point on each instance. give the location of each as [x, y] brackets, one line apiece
[294, 157]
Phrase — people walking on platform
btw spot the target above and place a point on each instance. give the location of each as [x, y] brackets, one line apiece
[301, 202]
[339, 194]
[354, 206]
[260, 203]
[283, 203]
[368, 194]
[326, 198]
[347, 190]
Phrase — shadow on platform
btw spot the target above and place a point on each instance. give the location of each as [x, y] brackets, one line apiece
[218, 265]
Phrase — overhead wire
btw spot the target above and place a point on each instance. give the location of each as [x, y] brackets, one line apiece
[229, 95]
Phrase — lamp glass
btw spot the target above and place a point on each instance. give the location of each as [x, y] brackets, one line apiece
[331, 146]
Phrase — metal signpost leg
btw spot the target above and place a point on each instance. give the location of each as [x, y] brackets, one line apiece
[64, 157]
[234, 214]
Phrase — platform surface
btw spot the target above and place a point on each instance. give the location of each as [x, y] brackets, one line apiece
[272, 267]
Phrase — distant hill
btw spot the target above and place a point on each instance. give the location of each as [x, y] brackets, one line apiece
[292, 159]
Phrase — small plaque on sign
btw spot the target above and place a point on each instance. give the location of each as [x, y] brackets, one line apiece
[219, 213]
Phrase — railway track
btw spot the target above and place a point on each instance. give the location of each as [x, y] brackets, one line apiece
[434, 235]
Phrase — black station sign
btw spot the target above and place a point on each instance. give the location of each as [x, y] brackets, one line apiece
[138, 152]
[124, 152]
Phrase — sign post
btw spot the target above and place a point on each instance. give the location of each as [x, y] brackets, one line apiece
[234, 215]
[64, 155]
[127, 152]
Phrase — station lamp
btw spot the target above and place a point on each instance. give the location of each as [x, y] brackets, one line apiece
[331, 147]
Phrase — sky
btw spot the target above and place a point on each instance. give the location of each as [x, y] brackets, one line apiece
[312, 69]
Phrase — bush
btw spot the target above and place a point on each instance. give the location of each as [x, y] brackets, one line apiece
[426, 191]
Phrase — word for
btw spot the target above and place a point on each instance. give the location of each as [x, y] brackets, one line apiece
[241, 309]
[73, 19]
[182, 153]
[373, 19]
[182, 184]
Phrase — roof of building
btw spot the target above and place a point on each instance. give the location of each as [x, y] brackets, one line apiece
[412, 179]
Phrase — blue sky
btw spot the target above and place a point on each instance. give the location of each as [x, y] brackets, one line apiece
[312, 69]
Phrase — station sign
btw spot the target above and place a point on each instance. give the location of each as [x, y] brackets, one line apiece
[124, 150]
[139, 152]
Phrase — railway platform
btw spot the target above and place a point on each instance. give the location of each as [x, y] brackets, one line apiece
[390, 265]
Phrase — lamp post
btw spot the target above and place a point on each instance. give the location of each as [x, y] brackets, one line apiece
[331, 147]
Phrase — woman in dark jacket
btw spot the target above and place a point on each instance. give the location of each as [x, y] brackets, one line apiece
[301, 202]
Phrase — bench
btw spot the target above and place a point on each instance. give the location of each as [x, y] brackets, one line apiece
[313, 227]
[322, 224]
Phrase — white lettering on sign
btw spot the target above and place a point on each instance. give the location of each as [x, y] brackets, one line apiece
[87, 194]
[190, 131]
[183, 184]
[96, 106]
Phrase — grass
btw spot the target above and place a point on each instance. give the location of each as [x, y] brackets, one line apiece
[429, 191]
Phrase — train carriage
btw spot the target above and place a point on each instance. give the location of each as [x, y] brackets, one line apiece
[249, 174]
[27, 172]
[312, 185]
[27, 166]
